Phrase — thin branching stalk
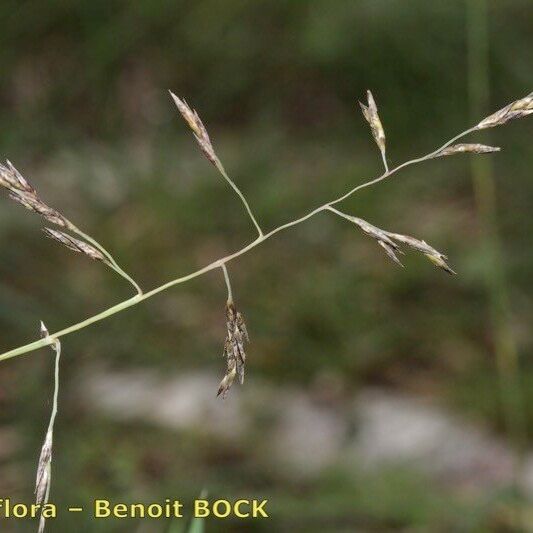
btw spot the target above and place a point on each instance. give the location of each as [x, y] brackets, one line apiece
[222, 171]
[517, 109]
[112, 263]
[204, 142]
[219, 262]
[22, 192]
[43, 479]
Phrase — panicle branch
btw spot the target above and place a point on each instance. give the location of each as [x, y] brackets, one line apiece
[200, 133]
[389, 242]
[23, 193]
[237, 334]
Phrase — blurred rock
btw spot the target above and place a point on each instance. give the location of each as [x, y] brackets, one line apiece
[306, 434]
[187, 401]
[393, 428]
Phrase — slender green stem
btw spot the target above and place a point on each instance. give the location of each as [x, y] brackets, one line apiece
[57, 349]
[222, 170]
[112, 263]
[219, 262]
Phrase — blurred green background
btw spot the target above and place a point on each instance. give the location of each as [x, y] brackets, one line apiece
[87, 118]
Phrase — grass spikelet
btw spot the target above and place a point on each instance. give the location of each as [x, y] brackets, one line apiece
[75, 244]
[197, 126]
[436, 257]
[12, 179]
[370, 112]
[23, 193]
[517, 109]
[468, 148]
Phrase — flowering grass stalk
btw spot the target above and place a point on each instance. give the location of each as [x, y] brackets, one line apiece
[25, 194]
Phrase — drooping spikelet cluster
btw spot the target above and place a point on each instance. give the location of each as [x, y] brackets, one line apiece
[390, 242]
[517, 109]
[234, 348]
[22, 192]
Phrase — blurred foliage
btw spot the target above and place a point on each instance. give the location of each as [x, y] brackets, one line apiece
[86, 117]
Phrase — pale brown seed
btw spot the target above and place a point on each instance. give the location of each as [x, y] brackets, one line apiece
[370, 112]
[75, 244]
[197, 126]
[517, 109]
[468, 148]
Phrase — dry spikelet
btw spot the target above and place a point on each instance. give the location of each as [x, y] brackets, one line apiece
[35, 204]
[468, 148]
[75, 244]
[517, 109]
[370, 113]
[42, 480]
[12, 179]
[389, 242]
[390, 247]
[390, 251]
[234, 349]
[23, 193]
[195, 123]
[436, 257]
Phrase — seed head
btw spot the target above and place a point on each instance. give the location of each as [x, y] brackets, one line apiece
[12, 179]
[370, 112]
[468, 148]
[195, 123]
[436, 257]
[234, 349]
[517, 109]
[34, 203]
[23, 193]
[75, 244]
[389, 242]
[383, 239]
